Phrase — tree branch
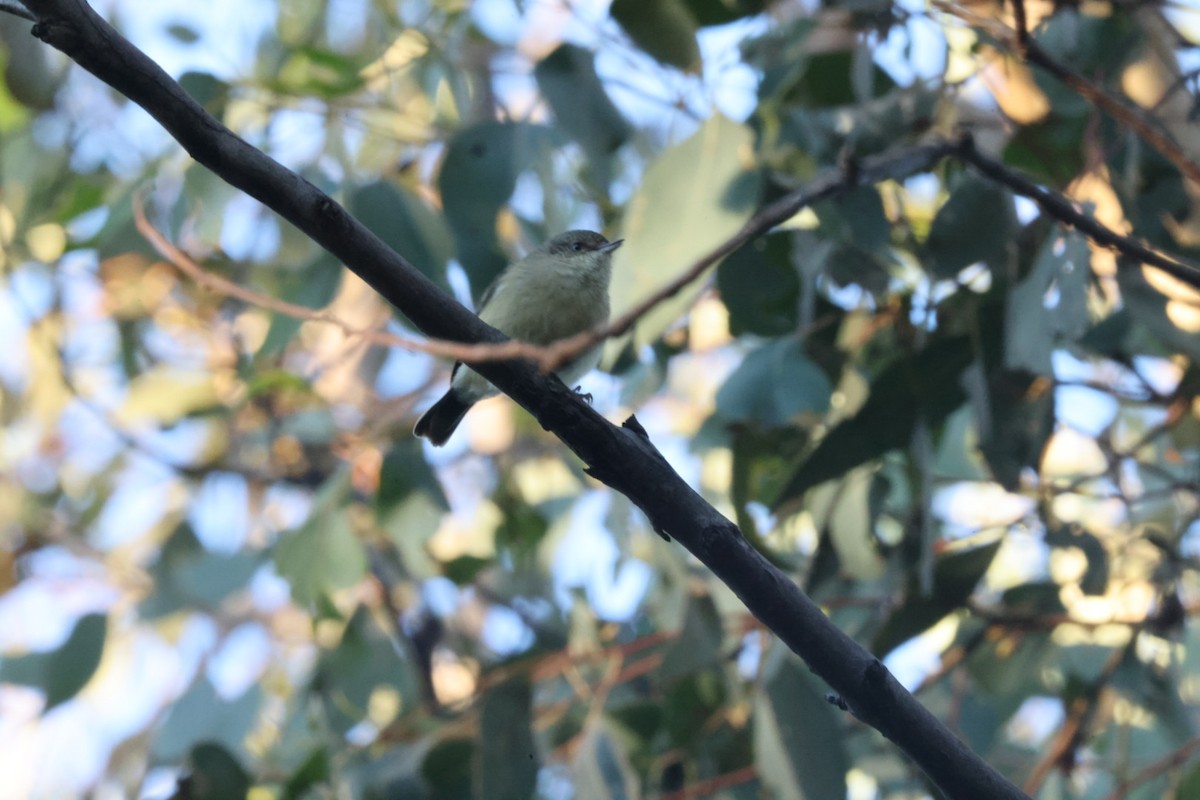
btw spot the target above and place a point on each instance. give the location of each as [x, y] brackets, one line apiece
[1021, 43]
[16, 11]
[1065, 211]
[622, 457]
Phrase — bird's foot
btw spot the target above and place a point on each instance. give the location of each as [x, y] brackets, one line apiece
[585, 396]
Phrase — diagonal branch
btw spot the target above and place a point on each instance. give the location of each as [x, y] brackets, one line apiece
[1066, 212]
[1022, 43]
[621, 456]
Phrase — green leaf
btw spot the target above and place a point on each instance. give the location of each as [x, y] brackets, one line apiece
[187, 575]
[722, 12]
[925, 385]
[849, 264]
[364, 660]
[773, 385]
[403, 472]
[201, 715]
[832, 79]
[183, 33]
[958, 456]
[314, 287]
[1092, 43]
[312, 773]
[1022, 419]
[1049, 150]
[693, 197]
[698, 645]
[762, 460]
[445, 770]
[843, 510]
[601, 768]
[690, 703]
[798, 746]
[955, 576]
[522, 527]
[976, 223]
[165, 395]
[1048, 309]
[642, 720]
[62, 672]
[508, 754]
[567, 79]
[1009, 667]
[323, 554]
[406, 225]
[320, 72]
[1190, 785]
[464, 569]
[781, 55]
[665, 29]
[215, 774]
[31, 79]
[477, 178]
[761, 287]
[857, 217]
[207, 90]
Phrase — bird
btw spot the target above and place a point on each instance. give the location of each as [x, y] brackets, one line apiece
[558, 290]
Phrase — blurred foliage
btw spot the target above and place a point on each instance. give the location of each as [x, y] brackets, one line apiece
[228, 570]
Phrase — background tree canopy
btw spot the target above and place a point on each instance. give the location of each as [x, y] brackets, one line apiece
[947, 398]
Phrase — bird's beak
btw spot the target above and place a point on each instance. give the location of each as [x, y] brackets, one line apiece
[611, 246]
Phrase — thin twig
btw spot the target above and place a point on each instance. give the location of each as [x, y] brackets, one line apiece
[1065, 211]
[227, 288]
[892, 165]
[1062, 749]
[1090, 91]
[1175, 758]
[710, 786]
[1175, 86]
[1022, 26]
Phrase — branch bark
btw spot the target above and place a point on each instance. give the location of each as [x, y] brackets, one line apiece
[622, 457]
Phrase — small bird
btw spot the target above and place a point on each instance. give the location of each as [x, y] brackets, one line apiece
[558, 290]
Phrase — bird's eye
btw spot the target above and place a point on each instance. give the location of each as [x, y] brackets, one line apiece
[577, 246]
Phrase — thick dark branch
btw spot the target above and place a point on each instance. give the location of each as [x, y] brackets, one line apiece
[623, 457]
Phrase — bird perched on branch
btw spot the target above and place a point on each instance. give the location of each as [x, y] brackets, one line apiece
[558, 290]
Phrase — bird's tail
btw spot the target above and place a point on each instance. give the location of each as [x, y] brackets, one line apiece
[442, 418]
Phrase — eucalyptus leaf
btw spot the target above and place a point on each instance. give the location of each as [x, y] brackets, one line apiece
[798, 747]
[773, 385]
[665, 29]
[508, 753]
[567, 79]
[693, 197]
[955, 576]
[1048, 309]
[477, 179]
[761, 287]
[215, 774]
[61, 673]
[976, 223]
[926, 385]
[324, 553]
[364, 662]
[407, 225]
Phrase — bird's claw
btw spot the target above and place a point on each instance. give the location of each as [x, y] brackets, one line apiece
[584, 396]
